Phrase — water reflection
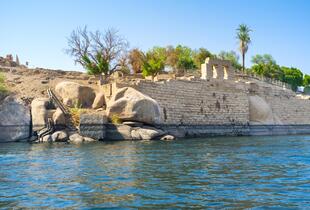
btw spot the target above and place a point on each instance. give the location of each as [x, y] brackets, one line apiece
[216, 172]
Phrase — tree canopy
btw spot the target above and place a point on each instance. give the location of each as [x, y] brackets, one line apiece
[265, 65]
[292, 76]
[243, 36]
[232, 56]
[306, 80]
[200, 55]
[154, 62]
[102, 53]
[136, 59]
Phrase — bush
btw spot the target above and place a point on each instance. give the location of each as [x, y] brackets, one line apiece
[2, 84]
[116, 120]
[75, 114]
[3, 89]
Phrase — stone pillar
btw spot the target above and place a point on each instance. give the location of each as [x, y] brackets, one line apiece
[206, 70]
[217, 69]
[220, 72]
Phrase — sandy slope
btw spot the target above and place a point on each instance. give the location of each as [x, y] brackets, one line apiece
[32, 83]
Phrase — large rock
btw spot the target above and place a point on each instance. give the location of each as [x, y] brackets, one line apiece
[167, 138]
[99, 101]
[76, 138]
[118, 132]
[261, 112]
[14, 120]
[93, 125]
[75, 95]
[131, 105]
[47, 138]
[39, 113]
[146, 133]
[60, 136]
[125, 132]
[59, 118]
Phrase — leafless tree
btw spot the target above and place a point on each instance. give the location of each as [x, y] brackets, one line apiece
[109, 44]
[79, 45]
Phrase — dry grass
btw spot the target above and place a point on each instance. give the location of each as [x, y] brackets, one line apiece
[75, 116]
[75, 113]
[3, 88]
[115, 119]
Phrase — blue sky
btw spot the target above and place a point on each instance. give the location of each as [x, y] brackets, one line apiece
[37, 30]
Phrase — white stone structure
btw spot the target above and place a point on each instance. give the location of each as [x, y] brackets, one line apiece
[214, 68]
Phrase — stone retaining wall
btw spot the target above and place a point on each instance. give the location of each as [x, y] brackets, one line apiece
[196, 101]
[285, 104]
[209, 102]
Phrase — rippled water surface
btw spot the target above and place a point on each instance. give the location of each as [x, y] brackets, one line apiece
[238, 172]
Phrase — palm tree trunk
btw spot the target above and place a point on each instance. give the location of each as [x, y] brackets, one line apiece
[243, 59]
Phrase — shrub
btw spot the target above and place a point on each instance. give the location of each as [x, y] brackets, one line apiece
[2, 84]
[116, 119]
[3, 89]
[75, 113]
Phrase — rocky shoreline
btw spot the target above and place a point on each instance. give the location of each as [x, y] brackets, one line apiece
[134, 113]
[58, 106]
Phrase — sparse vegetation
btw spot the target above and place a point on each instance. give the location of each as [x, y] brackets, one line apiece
[116, 120]
[75, 113]
[3, 89]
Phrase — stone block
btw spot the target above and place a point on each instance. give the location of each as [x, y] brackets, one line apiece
[93, 125]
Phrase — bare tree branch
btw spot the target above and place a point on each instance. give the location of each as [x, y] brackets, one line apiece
[108, 44]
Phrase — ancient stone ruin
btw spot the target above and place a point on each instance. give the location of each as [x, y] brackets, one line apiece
[219, 102]
[214, 68]
[8, 61]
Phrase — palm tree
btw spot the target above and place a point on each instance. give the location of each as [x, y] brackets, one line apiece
[243, 36]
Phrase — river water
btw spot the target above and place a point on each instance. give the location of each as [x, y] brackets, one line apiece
[236, 172]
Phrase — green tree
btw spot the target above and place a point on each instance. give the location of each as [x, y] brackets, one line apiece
[154, 62]
[3, 89]
[180, 58]
[263, 59]
[306, 80]
[98, 67]
[172, 57]
[292, 76]
[266, 66]
[185, 58]
[232, 57]
[200, 55]
[243, 36]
